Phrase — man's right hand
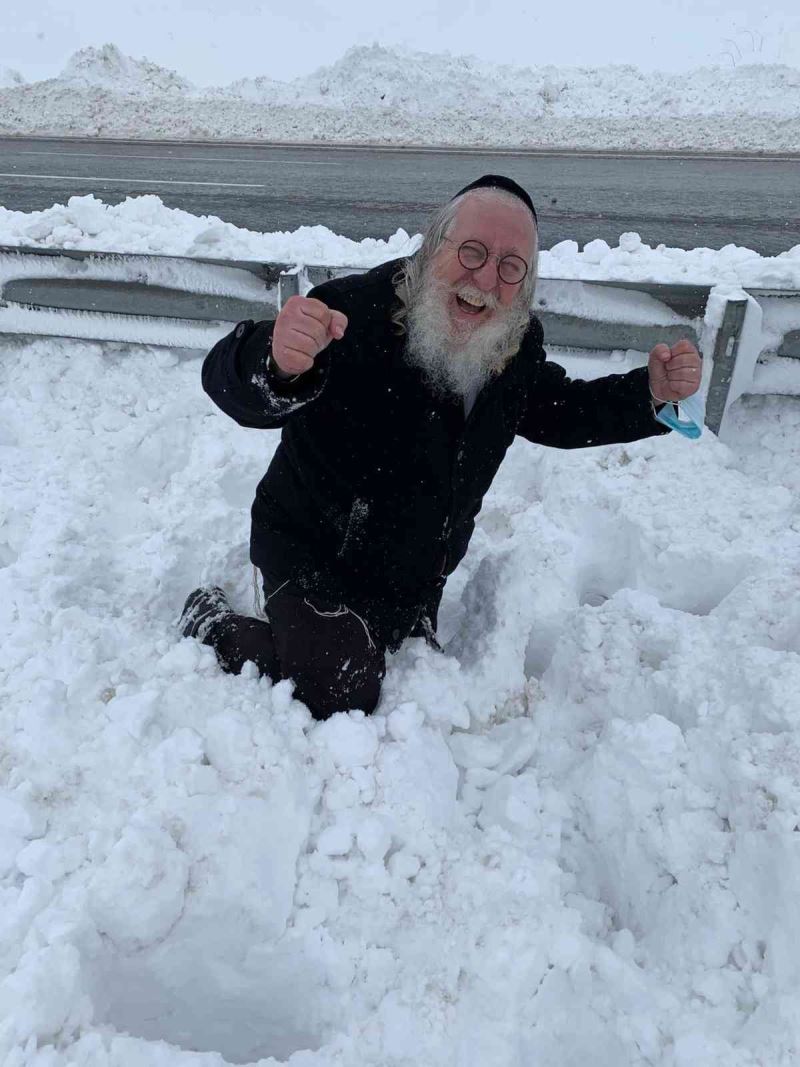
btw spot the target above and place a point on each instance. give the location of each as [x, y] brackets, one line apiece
[302, 329]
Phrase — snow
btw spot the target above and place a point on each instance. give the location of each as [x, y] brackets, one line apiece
[776, 375]
[570, 838]
[107, 68]
[145, 230]
[146, 226]
[383, 95]
[135, 271]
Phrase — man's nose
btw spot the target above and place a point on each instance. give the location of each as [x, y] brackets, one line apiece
[486, 277]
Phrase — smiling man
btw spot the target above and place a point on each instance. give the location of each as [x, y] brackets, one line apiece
[398, 392]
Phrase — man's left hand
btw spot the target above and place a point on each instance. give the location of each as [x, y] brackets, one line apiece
[674, 372]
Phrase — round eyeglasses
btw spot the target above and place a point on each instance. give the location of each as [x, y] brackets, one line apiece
[473, 254]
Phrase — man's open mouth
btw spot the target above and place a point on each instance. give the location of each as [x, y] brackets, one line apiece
[468, 306]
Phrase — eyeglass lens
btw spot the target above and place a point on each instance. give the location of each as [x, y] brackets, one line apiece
[473, 254]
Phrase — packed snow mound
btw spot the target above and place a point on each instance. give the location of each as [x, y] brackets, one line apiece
[145, 225]
[569, 839]
[398, 96]
[382, 77]
[107, 68]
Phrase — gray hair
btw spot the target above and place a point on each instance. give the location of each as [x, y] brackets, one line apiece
[408, 279]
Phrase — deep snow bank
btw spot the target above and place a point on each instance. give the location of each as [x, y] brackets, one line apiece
[394, 96]
[570, 839]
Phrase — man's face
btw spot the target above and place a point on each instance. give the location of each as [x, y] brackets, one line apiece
[475, 297]
[464, 325]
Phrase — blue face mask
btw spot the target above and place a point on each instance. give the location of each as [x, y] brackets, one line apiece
[689, 418]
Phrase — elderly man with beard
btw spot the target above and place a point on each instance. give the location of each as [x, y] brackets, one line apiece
[398, 393]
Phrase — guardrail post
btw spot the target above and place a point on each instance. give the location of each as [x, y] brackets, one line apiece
[288, 285]
[726, 348]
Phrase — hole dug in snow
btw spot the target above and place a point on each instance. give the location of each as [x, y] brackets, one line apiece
[193, 945]
[608, 559]
[694, 587]
[697, 586]
[613, 560]
[189, 993]
[681, 577]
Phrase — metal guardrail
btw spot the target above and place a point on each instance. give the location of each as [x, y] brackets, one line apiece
[268, 272]
[129, 298]
[573, 331]
[726, 349]
[791, 345]
[121, 296]
[147, 285]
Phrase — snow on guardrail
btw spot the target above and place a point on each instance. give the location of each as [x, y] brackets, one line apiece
[178, 280]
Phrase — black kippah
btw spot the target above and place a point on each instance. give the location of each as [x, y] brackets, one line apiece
[499, 181]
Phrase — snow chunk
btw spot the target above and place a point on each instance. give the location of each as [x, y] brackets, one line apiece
[404, 720]
[43, 999]
[630, 242]
[373, 838]
[595, 251]
[351, 739]
[512, 803]
[404, 865]
[474, 750]
[137, 895]
[336, 840]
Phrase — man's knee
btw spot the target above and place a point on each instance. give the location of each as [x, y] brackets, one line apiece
[346, 686]
[327, 650]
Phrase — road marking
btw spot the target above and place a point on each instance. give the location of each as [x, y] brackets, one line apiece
[133, 181]
[182, 159]
[411, 149]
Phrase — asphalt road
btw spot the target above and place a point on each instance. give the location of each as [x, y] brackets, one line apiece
[370, 192]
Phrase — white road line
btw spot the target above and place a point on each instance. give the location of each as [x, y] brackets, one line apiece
[133, 181]
[179, 159]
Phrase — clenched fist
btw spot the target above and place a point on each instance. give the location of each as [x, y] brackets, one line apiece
[674, 372]
[302, 329]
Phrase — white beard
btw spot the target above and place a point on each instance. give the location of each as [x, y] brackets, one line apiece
[456, 363]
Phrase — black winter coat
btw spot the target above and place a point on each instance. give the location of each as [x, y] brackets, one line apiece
[371, 496]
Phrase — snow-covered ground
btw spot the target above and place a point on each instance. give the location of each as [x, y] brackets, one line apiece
[394, 96]
[570, 839]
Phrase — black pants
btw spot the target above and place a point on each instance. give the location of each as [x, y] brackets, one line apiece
[324, 648]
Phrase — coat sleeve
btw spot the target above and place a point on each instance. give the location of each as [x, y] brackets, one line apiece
[563, 413]
[236, 377]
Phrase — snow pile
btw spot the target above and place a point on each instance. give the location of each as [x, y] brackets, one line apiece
[569, 839]
[634, 260]
[397, 96]
[145, 225]
[422, 82]
[108, 69]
